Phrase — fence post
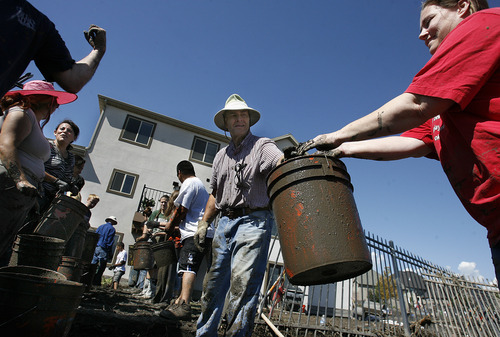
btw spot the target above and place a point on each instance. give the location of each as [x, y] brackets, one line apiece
[402, 301]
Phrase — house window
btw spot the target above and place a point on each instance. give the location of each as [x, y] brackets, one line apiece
[204, 150]
[137, 131]
[122, 183]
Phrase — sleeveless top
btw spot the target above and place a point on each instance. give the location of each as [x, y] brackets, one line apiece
[34, 150]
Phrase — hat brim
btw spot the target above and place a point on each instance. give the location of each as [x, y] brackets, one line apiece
[63, 97]
[111, 220]
[219, 117]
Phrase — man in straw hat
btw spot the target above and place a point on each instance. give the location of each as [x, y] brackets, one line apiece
[241, 239]
[104, 249]
[27, 35]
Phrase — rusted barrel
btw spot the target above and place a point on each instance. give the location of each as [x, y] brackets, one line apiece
[76, 243]
[62, 218]
[164, 253]
[37, 302]
[91, 239]
[37, 250]
[143, 255]
[70, 267]
[320, 232]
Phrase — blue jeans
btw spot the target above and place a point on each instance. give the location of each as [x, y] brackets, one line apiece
[101, 259]
[239, 258]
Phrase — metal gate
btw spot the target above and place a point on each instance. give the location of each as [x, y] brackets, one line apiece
[403, 295]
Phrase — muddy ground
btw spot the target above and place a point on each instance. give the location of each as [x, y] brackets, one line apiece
[104, 312]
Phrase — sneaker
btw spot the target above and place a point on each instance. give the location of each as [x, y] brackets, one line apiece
[177, 312]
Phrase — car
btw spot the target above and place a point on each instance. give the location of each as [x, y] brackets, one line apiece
[293, 299]
[370, 310]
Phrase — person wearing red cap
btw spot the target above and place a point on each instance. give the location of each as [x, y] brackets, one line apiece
[23, 151]
[28, 35]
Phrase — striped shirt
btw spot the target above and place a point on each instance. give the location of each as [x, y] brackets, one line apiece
[239, 173]
[59, 167]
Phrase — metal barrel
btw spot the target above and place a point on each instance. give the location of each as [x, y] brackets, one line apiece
[37, 302]
[320, 232]
[62, 218]
[143, 255]
[37, 250]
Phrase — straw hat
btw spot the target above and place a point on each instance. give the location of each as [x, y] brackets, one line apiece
[235, 102]
[44, 88]
[112, 218]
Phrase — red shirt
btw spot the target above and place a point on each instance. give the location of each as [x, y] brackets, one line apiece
[466, 138]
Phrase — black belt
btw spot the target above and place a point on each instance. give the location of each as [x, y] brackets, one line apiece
[233, 213]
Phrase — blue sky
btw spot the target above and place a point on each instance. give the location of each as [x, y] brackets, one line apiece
[309, 67]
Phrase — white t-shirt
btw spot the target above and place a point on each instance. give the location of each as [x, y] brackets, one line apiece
[194, 197]
[122, 256]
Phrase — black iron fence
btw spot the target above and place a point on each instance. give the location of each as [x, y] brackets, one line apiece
[403, 295]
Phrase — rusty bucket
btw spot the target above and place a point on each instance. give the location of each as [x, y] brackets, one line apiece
[143, 255]
[71, 267]
[76, 243]
[320, 232]
[90, 243]
[62, 218]
[164, 253]
[37, 250]
[37, 302]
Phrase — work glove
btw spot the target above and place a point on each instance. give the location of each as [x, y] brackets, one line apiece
[200, 235]
[111, 267]
[62, 185]
[152, 224]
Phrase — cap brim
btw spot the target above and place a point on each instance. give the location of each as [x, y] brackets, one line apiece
[63, 97]
[219, 117]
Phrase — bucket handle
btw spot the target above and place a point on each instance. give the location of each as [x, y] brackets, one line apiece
[18, 316]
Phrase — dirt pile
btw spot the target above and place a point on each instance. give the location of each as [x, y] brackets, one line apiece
[109, 313]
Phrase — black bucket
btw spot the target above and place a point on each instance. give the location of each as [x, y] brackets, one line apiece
[74, 246]
[143, 255]
[62, 218]
[37, 302]
[70, 267]
[37, 250]
[91, 239]
[164, 253]
[318, 223]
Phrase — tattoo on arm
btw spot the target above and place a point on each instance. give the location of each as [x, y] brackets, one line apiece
[379, 119]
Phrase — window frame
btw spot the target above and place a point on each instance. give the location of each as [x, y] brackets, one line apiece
[111, 179]
[195, 138]
[134, 142]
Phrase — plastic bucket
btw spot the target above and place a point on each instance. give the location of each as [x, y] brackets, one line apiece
[318, 223]
[91, 239]
[37, 250]
[71, 268]
[143, 255]
[164, 253]
[62, 218]
[37, 302]
[76, 243]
